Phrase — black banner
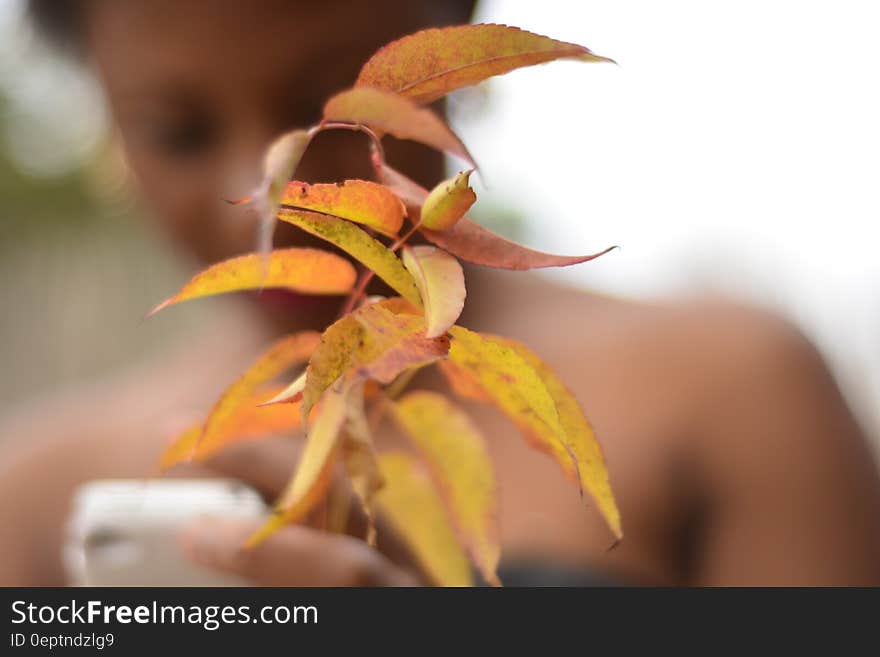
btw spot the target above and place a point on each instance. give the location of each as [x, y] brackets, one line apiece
[149, 620]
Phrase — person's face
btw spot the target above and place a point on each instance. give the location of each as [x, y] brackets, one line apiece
[199, 89]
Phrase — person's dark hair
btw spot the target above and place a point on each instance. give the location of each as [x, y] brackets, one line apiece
[61, 21]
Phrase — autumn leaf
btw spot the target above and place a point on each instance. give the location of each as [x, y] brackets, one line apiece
[515, 388]
[360, 246]
[279, 165]
[361, 201]
[308, 271]
[280, 357]
[448, 202]
[386, 112]
[394, 343]
[249, 421]
[374, 342]
[314, 471]
[416, 514]
[429, 64]
[456, 455]
[579, 437]
[469, 240]
[440, 280]
[528, 392]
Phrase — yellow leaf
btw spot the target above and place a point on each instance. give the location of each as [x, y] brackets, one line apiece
[361, 201]
[579, 437]
[309, 271]
[448, 202]
[314, 472]
[249, 421]
[440, 280]
[429, 64]
[456, 454]
[387, 112]
[360, 246]
[416, 513]
[529, 394]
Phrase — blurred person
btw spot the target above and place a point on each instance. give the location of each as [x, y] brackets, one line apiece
[733, 457]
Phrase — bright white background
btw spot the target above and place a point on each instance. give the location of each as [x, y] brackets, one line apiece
[735, 148]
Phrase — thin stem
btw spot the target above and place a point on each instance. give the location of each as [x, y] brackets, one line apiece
[357, 127]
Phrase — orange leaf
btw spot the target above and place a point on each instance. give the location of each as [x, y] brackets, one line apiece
[448, 202]
[314, 472]
[308, 271]
[361, 201]
[249, 421]
[470, 241]
[416, 513]
[429, 64]
[354, 241]
[386, 112]
[456, 454]
[440, 280]
[280, 357]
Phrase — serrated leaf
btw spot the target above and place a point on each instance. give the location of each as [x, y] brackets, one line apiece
[456, 455]
[314, 472]
[446, 204]
[528, 392]
[354, 241]
[429, 64]
[277, 359]
[249, 421]
[440, 280]
[417, 515]
[387, 112]
[469, 240]
[308, 271]
[579, 437]
[515, 388]
[360, 201]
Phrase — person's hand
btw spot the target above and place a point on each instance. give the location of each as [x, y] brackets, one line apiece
[296, 555]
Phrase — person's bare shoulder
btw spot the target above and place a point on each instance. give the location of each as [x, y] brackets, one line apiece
[740, 411]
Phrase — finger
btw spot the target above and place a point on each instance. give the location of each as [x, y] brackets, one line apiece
[294, 556]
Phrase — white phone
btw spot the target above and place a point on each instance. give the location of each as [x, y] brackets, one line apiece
[125, 532]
